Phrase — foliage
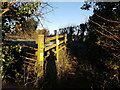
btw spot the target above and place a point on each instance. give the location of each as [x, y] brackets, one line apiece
[27, 29]
[16, 13]
[76, 32]
[12, 69]
[104, 41]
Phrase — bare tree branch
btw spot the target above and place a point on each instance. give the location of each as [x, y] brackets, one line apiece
[107, 19]
[112, 46]
[7, 9]
[111, 37]
[105, 30]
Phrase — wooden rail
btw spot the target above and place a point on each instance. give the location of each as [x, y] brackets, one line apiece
[41, 45]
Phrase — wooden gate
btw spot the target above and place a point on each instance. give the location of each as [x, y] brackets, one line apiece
[57, 43]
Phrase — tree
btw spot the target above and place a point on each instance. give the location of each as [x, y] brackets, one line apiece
[83, 28]
[17, 13]
[26, 29]
[77, 32]
[104, 32]
[106, 26]
[18, 17]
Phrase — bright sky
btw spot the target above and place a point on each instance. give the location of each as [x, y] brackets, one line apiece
[66, 14]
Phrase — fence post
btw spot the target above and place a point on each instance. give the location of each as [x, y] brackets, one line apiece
[40, 55]
[65, 41]
[57, 48]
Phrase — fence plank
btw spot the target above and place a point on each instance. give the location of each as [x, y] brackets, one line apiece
[30, 54]
[62, 47]
[29, 58]
[29, 63]
[62, 42]
[52, 46]
[29, 47]
[50, 38]
[61, 36]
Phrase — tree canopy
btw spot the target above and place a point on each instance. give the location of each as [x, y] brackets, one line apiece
[104, 33]
[105, 24]
[17, 13]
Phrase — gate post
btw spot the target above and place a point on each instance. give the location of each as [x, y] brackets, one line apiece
[65, 41]
[57, 48]
[40, 55]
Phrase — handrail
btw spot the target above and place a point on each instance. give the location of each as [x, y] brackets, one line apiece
[61, 42]
[52, 46]
[50, 38]
[60, 36]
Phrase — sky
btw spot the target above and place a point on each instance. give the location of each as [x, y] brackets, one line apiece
[65, 14]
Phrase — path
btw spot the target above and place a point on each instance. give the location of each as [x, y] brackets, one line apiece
[77, 77]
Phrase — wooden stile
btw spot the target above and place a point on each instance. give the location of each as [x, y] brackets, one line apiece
[41, 49]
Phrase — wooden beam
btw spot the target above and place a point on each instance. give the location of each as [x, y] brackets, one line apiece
[50, 47]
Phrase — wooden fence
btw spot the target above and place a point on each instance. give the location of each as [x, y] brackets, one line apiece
[58, 43]
[33, 54]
